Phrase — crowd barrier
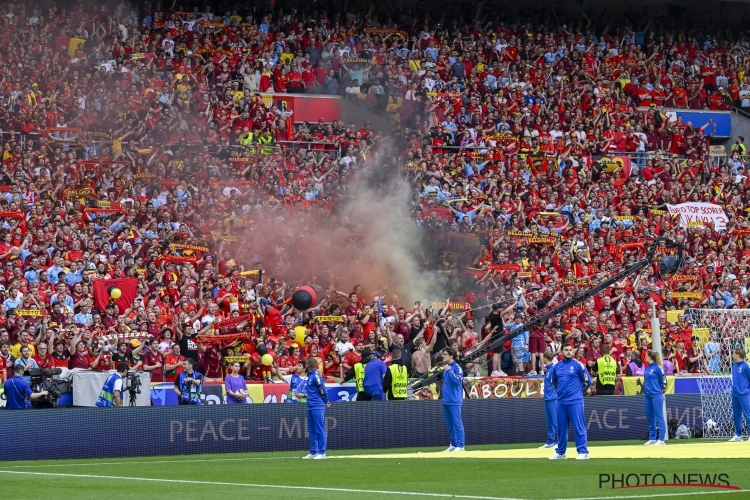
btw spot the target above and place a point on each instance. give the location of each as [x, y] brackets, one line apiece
[86, 386]
[182, 430]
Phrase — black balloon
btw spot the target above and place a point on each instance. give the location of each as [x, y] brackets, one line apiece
[302, 299]
[261, 349]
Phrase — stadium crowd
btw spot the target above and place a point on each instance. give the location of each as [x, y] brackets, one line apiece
[136, 144]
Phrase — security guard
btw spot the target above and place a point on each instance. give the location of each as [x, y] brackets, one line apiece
[264, 139]
[358, 374]
[396, 378]
[247, 139]
[606, 373]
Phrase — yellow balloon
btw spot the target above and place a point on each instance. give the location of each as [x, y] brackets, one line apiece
[116, 293]
[266, 359]
[299, 335]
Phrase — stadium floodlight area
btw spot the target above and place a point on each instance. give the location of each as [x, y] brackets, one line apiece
[719, 332]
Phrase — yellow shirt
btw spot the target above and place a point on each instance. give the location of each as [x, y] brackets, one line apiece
[286, 58]
[117, 146]
[15, 350]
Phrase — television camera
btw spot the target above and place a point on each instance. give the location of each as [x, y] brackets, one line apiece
[132, 384]
[41, 380]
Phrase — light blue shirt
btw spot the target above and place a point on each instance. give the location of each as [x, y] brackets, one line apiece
[66, 300]
[21, 362]
[470, 214]
[53, 272]
[73, 277]
[11, 304]
[714, 364]
[83, 319]
[31, 275]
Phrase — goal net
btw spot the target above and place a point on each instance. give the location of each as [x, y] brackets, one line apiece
[716, 334]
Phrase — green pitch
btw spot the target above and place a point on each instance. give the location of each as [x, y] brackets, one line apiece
[284, 476]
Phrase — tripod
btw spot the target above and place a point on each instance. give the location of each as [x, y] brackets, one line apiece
[133, 391]
[134, 388]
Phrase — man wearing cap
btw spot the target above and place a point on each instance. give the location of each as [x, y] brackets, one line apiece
[373, 378]
[18, 393]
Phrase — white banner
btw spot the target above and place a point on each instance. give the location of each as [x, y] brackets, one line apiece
[700, 213]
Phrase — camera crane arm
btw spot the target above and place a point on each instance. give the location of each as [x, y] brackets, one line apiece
[579, 298]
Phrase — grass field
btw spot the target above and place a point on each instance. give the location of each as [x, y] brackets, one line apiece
[284, 475]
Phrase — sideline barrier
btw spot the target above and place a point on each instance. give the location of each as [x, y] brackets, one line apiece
[182, 430]
[213, 393]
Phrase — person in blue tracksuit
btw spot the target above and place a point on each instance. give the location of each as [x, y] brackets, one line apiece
[550, 402]
[571, 380]
[453, 398]
[654, 384]
[317, 402]
[740, 392]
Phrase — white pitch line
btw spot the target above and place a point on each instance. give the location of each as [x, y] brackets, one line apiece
[127, 462]
[252, 485]
[654, 495]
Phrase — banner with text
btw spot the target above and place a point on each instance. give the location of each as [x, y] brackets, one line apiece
[696, 212]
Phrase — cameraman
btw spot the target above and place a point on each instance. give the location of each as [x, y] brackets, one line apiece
[188, 384]
[111, 393]
[18, 392]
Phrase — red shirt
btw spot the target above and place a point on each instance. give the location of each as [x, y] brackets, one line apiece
[352, 358]
[44, 364]
[155, 358]
[60, 360]
[79, 361]
[171, 360]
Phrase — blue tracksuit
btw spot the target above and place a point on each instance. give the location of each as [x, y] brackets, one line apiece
[740, 395]
[453, 398]
[550, 406]
[316, 419]
[571, 380]
[373, 384]
[654, 382]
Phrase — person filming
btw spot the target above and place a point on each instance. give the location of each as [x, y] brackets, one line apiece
[188, 384]
[18, 393]
[111, 393]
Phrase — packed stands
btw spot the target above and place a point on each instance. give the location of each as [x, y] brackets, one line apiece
[147, 144]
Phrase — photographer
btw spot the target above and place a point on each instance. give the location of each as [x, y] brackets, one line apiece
[18, 392]
[188, 384]
[111, 393]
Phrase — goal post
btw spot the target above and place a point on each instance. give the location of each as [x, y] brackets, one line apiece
[716, 334]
